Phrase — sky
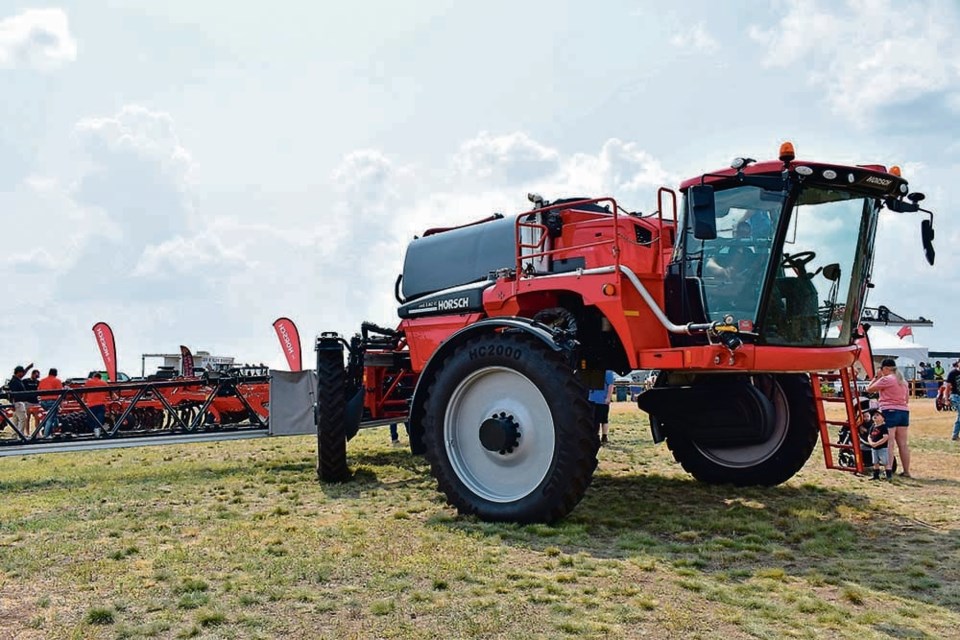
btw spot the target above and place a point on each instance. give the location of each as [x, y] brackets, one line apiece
[188, 172]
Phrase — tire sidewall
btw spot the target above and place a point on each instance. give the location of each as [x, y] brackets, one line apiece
[789, 457]
[527, 357]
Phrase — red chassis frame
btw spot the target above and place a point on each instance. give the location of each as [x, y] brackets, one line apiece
[624, 280]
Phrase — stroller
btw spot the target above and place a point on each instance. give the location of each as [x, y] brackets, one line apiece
[846, 457]
[944, 403]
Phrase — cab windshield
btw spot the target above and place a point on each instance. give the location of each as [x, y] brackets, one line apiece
[789, 280]
[819, 286]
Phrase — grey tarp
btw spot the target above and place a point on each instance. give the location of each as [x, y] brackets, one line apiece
[292, 396]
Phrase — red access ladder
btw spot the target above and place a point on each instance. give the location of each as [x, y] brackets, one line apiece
[848, 396]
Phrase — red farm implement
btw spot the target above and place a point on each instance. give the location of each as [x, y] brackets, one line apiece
[147, 408]
[740, 285]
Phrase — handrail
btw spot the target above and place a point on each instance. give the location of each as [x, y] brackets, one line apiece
[673, 194]
[683, 329]
[523, 224]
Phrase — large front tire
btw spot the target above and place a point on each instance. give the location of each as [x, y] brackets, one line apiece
[768, 463]
[509, 431]
[331, 417]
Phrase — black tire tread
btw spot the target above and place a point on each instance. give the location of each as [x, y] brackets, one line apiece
[576, 456]
[800, 441]
[331, 404]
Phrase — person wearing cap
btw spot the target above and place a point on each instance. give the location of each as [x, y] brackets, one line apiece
[953, 382]
[17, 393]
[894, 395]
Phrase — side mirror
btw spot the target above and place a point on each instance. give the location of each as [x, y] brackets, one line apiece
[832, 272]
[704, 212]
[926, 236]
[902, 206]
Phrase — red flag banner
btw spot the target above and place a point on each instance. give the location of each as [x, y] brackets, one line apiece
[905, 331]
[186, 362]
[289, 342]
[108, 348]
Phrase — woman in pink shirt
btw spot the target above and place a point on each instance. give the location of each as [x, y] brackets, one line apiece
[894, 393]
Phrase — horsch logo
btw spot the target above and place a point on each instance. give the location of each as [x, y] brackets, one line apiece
[285, 338]
[453, 303]
[102, 339]
[883, 182]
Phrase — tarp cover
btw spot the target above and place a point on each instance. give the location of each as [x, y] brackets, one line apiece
[292, 396]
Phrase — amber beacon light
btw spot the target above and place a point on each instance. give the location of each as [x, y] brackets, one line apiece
[786, 152]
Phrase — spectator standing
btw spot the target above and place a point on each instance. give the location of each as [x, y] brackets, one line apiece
[49, 400]
[96, 402]
[601, 405]
[894, 395]
[395, 435]
[938, 371]
[953, 382]
[17, 393]
[878, 439]
[32, 402]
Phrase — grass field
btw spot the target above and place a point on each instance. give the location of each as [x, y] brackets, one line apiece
[238, 540]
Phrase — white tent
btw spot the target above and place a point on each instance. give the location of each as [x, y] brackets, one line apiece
[887, 344]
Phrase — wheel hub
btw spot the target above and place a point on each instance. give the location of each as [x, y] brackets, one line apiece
[500, 433]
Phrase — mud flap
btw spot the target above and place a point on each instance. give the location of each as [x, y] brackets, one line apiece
[352, 414]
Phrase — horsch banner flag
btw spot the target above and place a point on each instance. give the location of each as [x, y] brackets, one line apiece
[186, 362]
[289, 342]
[108, 348]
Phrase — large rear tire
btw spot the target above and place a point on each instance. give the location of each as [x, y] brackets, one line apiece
[331, 417]
[768, 463]
[509, 431]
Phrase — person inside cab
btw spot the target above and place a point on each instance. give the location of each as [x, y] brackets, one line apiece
[733, 261]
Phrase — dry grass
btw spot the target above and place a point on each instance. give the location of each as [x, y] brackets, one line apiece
[238, 540]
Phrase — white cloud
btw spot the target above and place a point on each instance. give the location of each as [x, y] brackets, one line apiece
[865, 55]
[512, 158]
[621, 169]
[136, 131]
[36, 39]
[139, 174]
[187, 255]
[696, 40]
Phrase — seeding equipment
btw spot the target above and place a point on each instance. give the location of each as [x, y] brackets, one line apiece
[744, 289]
[186, 405]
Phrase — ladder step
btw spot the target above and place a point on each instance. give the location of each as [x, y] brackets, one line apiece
[838, 423]
[841, 468]
[832, 399]
[838, 445]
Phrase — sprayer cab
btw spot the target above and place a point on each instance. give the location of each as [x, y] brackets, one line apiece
[784, 247]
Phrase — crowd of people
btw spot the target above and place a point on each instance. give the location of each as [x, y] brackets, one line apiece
[927, 371]
[36, 401]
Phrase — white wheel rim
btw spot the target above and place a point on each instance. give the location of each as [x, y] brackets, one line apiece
[754, 454]
[492, 475]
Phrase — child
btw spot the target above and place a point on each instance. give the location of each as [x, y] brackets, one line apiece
[878, 439]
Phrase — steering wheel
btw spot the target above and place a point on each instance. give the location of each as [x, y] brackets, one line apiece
[798, 261]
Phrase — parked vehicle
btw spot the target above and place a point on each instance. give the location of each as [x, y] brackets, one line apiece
[735, 289]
